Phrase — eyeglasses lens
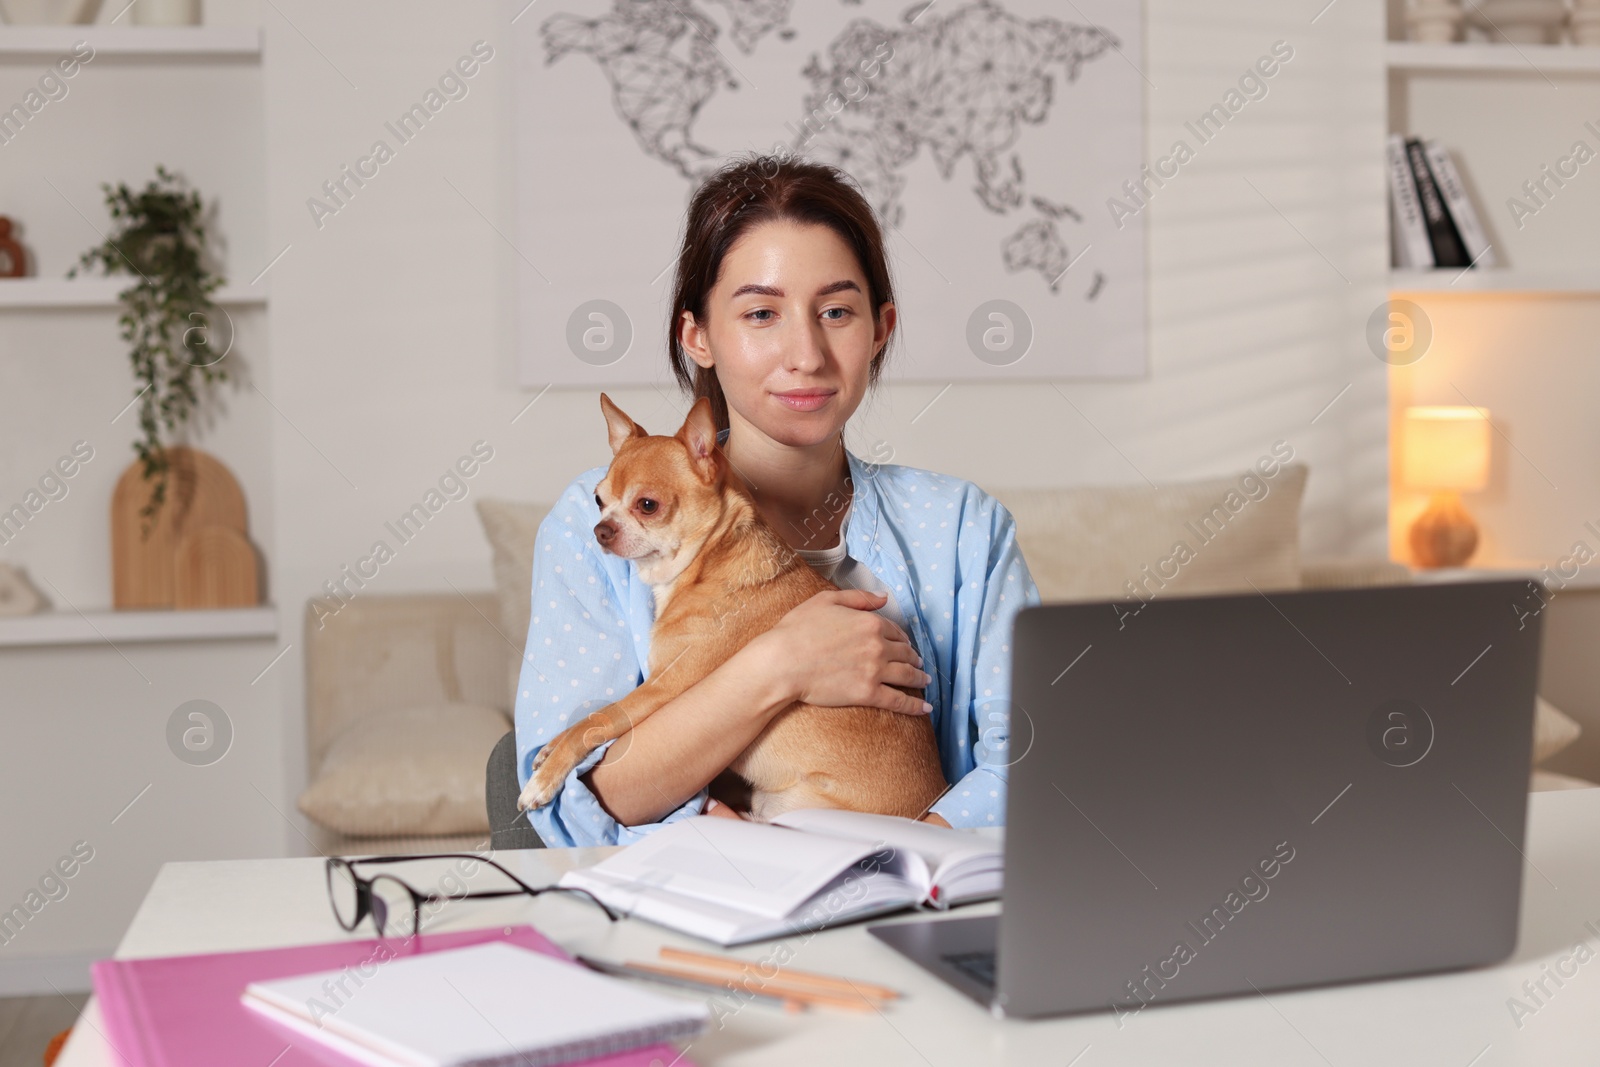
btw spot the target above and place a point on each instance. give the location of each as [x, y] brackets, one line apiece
[342, 890]
[393, 911]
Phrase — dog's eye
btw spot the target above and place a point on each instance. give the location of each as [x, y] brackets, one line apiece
[597, 503]
[647, 505]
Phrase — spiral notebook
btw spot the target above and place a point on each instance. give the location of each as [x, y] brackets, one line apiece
[185, 1011]
[489, 1005]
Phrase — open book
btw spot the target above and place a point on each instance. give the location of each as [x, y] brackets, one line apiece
[731, 882]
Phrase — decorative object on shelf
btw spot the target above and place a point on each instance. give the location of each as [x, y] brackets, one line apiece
[13, 257]
[1446, 450]
[1520, 21]
[198, 554]
[18, 595]
[167, 13]
[49, 12]
[168, 314]
[1434, 21]
[1585, 21]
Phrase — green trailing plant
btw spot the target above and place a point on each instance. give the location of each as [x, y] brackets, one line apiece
[159, 235]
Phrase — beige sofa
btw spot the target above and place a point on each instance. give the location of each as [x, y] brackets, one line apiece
[407, 694]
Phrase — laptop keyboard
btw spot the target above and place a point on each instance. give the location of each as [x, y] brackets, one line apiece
[978, 966]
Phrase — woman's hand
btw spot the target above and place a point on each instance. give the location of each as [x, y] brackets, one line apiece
[719, 809]
[834, 651]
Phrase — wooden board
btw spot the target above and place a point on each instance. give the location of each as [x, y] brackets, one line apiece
[201, 492]
[215, 568]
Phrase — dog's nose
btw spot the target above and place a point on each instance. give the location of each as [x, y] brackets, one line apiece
[605, 533]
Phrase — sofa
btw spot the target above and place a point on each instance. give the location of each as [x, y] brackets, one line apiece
[408, 694]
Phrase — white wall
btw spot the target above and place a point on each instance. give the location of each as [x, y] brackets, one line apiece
[388, 346]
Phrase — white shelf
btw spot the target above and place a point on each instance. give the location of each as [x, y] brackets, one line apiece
[96, 627]
[1496, 280]
[237, 42]
[1584, 578]
[100, 292]
[1411, 57]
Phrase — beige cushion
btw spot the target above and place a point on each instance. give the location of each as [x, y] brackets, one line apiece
[383, 651]
[413, 770]
[512, 527]
[1543, 781]
[1553, 730]
[1086, 543]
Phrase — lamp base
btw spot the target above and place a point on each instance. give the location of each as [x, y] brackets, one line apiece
[1444, 535]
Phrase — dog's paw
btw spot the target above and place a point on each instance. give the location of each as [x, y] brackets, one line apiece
[536, 795]
[543, 785]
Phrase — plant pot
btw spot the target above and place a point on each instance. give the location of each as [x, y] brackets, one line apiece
[49, 12]
[166, 13]
[1520, 21]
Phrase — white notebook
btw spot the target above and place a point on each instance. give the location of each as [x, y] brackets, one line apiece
[480, 1006]
[731, 882]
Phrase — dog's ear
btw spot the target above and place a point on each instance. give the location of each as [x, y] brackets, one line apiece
[621, 428]
[699, 436]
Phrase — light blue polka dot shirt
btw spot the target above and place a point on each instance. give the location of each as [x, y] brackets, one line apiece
[945, 549]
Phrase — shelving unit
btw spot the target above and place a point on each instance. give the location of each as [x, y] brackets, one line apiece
[215, 42]
[100, 293]
[1496, 280]
[98, 627]
[1406, 57]
[1406, 60]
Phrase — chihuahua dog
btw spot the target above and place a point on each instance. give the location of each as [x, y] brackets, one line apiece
[721, 576]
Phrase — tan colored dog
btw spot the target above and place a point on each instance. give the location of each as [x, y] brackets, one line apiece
[721, 576]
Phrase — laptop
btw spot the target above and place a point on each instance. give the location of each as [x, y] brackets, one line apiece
[1217, 795]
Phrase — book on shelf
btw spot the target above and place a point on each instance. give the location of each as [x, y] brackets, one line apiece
[1432, 222]
[1448, 251]
[1458, 205]
[1410, 233]
[732, 881]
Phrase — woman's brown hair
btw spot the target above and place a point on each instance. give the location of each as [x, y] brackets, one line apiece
[743, 194]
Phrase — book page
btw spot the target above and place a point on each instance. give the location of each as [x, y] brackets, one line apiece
[760, 868]
[951, 854]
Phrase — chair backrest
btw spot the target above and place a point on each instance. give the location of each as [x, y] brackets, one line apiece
[508, 826]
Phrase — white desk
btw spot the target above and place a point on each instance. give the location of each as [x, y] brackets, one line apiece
[1454, 1020]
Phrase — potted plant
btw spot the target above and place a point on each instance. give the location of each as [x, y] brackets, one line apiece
[159, 235]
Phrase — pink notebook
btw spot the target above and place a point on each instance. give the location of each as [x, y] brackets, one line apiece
[184, 1011]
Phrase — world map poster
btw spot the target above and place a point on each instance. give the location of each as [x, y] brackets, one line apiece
[992, 140]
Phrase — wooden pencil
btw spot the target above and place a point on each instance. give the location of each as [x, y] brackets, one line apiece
[768, 989]
[787, 975]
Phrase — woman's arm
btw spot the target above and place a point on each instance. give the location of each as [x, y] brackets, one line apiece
[675, 752]
[980, 720]
[831, 650]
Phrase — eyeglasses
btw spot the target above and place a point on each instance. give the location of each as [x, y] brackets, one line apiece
[396, 907]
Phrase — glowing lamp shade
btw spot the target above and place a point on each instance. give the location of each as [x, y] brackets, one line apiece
[1446, 448]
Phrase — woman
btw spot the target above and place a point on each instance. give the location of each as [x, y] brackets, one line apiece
[783, 303]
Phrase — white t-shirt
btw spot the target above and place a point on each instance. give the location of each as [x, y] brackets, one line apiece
[849, 573]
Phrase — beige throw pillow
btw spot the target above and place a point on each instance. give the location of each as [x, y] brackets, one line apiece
[1553, 730]
[415, 771]
[512, 527]
[1216, 535]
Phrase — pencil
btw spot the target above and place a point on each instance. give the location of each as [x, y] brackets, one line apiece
[681, 980]
[767, 989]
[820, 981]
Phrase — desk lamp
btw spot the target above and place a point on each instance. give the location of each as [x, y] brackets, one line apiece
[1446, 450]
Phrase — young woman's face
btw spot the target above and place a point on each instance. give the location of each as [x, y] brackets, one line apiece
[790, 312]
